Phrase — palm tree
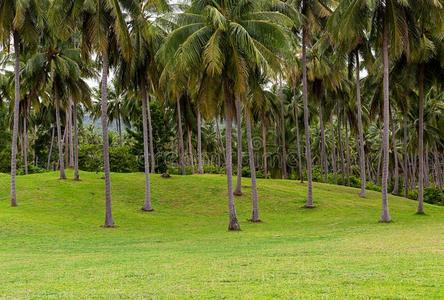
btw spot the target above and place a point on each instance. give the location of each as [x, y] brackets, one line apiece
[104, 29]
[388, 26]
[221, 38]
[22, 19]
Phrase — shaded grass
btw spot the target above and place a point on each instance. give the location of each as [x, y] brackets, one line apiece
[53, 245]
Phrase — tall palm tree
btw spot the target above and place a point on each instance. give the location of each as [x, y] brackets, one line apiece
[388, 27]
[220, 39]
[104, 29]
[21, 19]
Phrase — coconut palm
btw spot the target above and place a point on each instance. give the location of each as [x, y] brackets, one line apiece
[21, 19]
[220, 39]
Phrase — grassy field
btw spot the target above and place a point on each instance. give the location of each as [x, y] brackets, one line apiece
[53, 246]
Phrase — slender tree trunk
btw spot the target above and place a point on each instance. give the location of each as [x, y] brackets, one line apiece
[264, 146]
[76, 143]
[341, 147]
[25, 142]
[238, 190]
[180, 132]
[59, 139]
[48, 165]
[298, 143]
[151, 144]
[109, 222]
[323, 149]
[199, 144]
[385, 215]
[219, 138]
[309, 202]
[395, 157]
[15, 126]
[70, 133]
[334, 157]
[283, 140]
[147, 203]
[233, 223]
[360, 128]
[420, 209]
[406, 166]
[426, 167]
[347, 153]
[254, 198]
[190, 150]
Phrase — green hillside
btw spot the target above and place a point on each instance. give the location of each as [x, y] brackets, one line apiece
[53, 245]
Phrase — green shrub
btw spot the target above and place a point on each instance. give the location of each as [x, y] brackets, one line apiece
[433, 195]
[121, 160]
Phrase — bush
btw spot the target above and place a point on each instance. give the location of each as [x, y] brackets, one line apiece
[90, 157]
[373, 187]
[121, 160]
[433, 195]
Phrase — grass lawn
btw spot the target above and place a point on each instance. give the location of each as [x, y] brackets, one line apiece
[52, 245]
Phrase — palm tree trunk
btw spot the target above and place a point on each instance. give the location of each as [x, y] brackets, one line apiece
[70, 133]
[151, 144]
[238, 190]
[395, 157]
[109, 222]
[360, 128]
[59, 139]
[323, 150]
[309, 202]
[15, 126]
[199, 144]
[180, 132]
[233, 223]
[426, 167]
[264, 146]
[347, 152]
[75, 143]
[334, 157]
[406, 164]
[190, 150]
[385, 215]
[219, 138]
[254, 198]
[25, 142]
[48, 165]
[283, 140]
[420, 209]
[298, 143]
[147, 204]
[341, 146]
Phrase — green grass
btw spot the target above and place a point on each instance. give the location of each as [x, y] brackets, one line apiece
[52, 245]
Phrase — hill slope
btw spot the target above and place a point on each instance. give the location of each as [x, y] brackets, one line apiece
[52, 245]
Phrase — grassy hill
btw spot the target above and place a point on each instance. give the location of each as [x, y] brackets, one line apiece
[53, 245]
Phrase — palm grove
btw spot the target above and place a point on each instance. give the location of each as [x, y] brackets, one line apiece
[346, 92]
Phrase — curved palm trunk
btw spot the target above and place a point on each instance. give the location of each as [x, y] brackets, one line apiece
[199, 144]
[219, 139]
[151, 141]
[109, 222]
[48, 165]
[180, 132]
[238, 190]
[147, 204]
[59, 140]
[323, 150]
[360, 129]
[70, 133]
[309, 202]
[420, 209]
[15, 126]
[334, 164]
[254, 200]
[341, 146]
[385, 215]
[75, 143]
[25, 143]
[264, 146]
[405, 158]
[233, 223]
